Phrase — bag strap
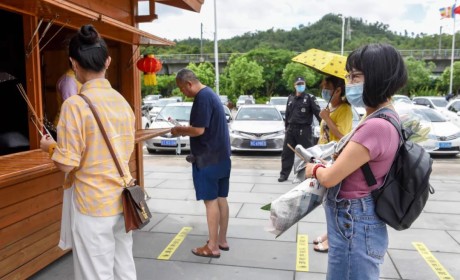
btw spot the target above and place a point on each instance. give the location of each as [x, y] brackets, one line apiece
[366, 168]
[104, 134]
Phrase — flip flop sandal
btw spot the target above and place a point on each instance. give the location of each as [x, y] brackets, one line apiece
[221, 247]
[318, 240]
[320, 248]
[205, 252]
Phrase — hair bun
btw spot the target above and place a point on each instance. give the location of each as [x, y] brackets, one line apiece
[88, 35]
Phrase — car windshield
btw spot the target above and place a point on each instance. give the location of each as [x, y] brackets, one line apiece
[243, 97]
[431, 115]
[179, 113]
[278, 101]
[455, 107]
[439, 102]
[163, 102]
[258, 114]
[151, 97]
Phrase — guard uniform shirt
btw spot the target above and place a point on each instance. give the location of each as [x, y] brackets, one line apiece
[300, 110]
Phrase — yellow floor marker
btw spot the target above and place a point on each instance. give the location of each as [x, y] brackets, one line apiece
[437, 267]
[174, 244]
[302, 253]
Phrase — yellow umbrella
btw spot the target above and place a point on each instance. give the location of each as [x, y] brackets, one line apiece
[325, 62]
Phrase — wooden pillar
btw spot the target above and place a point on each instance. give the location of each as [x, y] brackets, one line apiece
[131, 90]
[33, 78]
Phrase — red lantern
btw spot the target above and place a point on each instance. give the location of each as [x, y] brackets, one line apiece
[149, 65]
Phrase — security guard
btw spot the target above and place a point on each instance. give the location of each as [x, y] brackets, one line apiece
[300, 109]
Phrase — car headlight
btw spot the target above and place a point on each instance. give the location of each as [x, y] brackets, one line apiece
[457, 135]
[432, 136]
[235, 132]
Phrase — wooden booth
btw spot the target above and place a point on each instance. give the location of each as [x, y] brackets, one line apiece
[35, 35]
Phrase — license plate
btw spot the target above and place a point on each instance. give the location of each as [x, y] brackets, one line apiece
[258, 143]
[445, 144]
[168, 143]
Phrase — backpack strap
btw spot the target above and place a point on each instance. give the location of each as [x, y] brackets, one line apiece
[365, 168]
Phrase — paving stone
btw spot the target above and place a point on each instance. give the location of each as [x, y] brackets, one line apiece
[445, 196]
[455, 235]
[156, 218]
[272, 188]
[170, 175]
[442, 207]
[155, 269]
[177, 194]
[240, 187]
[260, 254]
[253, 211]
[437, 221]
[246, 197]
[185, 207]
[411, 265]
[435, 240]
[176, 184]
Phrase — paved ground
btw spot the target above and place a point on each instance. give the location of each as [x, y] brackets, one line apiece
[255, 253]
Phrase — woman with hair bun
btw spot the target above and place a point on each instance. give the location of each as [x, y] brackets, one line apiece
[101, 247]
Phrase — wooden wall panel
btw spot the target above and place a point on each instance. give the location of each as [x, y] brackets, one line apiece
[28, 254]
[118, 9]
[10, 194]
[24, 228]
[20, 211]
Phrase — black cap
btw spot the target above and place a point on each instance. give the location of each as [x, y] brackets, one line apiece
[299, 79]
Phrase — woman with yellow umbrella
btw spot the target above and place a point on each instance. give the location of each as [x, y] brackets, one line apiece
[337, 116]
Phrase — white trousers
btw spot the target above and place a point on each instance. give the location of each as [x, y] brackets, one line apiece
[102, 250]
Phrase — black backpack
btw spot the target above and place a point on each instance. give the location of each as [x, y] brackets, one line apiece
[401, 198]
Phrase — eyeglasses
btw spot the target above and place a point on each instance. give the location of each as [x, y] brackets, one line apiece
[352, 77]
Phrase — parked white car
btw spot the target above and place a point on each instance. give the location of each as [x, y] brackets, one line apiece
[280, 103]
[440, 104]
[160, 104]
[245, 99]
[257, 128]
[444, 136]
[180, 111]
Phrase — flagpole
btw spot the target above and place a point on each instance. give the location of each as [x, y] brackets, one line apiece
[452, 54]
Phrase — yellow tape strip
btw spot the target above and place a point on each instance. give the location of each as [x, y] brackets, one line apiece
[302, 253]
[437, 267]
[174, 244]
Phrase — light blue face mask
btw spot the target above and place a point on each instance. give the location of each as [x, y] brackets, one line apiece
[300, 88]
[354, 94]
[326, 94]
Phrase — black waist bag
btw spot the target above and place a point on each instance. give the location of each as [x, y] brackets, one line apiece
[404, 193]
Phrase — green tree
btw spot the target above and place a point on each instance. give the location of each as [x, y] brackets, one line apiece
[245, 76]
[166, 84]
[418, 75]
[204, 72]
[294, 70]
[273, 62]
[445, 78]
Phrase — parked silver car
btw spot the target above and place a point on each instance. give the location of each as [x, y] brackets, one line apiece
[257, 128]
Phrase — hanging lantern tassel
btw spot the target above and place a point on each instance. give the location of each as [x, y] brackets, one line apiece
[150, 79]
[150, 66]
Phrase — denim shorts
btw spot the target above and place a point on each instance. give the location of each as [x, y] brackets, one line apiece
[212, 181]
[357, 238]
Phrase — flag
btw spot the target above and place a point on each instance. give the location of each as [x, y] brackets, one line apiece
[456, 10]
[447, 12]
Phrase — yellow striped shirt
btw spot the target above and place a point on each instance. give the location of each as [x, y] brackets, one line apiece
[98, 184]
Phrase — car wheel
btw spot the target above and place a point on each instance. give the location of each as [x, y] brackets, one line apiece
[151, 151]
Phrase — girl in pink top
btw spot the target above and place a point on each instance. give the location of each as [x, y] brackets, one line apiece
[358, 238]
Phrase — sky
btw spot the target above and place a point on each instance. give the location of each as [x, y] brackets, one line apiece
[236, 17]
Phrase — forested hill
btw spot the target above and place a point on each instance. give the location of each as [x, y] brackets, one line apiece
[324, 34]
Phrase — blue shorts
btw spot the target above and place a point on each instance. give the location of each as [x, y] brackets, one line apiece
[212, 181]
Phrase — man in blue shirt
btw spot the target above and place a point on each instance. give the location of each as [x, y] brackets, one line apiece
[210, 149]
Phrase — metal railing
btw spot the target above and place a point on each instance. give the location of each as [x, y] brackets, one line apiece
[197, 58]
